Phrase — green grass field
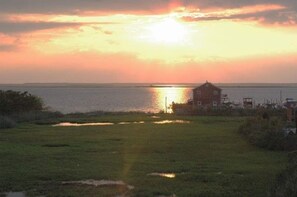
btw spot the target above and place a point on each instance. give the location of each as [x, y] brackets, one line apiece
[208, 156]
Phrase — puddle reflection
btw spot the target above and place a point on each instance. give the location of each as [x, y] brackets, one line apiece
[125, 123]
[172, 122]
[166, 175]
[69, 124]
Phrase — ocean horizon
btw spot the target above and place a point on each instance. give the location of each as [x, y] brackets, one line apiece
[155, 84]
[146, 97]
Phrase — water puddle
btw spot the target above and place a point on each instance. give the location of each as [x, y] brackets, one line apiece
[139, 122]
[125, 123]
[69, 124]
[99, 183]
[172, 122]
[165, 175]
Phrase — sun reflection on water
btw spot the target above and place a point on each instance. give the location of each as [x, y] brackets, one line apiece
[165, 96]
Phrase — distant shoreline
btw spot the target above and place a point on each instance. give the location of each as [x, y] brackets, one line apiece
[151, 85]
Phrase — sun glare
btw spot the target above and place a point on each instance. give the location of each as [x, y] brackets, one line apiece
[168, 30]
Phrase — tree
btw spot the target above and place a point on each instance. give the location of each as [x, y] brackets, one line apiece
[12, 102]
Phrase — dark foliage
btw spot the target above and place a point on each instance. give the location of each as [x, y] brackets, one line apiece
[268, 133]
[12, 102]
[18, 107]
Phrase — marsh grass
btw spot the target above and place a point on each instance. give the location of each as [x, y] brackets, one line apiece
[36, 116]
[286, 182]
[208, 156]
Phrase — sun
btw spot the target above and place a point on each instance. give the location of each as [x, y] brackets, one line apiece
[168, 30]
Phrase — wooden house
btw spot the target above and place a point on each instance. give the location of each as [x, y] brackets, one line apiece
[207, 95]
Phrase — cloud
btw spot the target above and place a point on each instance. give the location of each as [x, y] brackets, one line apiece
[208, 4]
[76, 7]
[106, 32]
[272, 14]
[9, 27]
[286, 14]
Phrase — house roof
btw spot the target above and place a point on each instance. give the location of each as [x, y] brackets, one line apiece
[207, 84]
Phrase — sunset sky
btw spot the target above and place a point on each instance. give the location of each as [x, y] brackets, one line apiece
[125, 41]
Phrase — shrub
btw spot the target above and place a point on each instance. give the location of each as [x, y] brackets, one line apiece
[23, 107]
[18, 102]
[6, 123]
[268, 133]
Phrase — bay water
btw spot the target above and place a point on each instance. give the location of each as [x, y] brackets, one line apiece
[70, 98]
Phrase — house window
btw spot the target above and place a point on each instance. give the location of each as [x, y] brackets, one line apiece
[199, 92]
[214, 103]
[215, 92]
[199, 103]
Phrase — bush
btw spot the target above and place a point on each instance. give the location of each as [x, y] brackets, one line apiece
[18, 102]
[6, 123]
[23, 107]
[268, 133]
